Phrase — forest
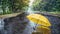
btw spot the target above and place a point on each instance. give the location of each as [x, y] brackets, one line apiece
[14, 6]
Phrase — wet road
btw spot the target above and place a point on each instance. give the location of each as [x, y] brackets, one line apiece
[55, 21]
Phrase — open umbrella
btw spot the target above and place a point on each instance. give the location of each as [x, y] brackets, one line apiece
[43, 30]
[39, 19]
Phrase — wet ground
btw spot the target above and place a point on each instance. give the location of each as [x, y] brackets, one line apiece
[21, 25]
[55, 21]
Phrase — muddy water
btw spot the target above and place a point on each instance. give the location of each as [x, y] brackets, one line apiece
[21, 25]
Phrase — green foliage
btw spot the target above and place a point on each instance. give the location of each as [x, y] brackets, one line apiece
[5, 4]
[52, 6]
[11, 6]
[19, 5]
[47, 5]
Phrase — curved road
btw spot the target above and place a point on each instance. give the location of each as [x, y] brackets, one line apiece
[55, 21]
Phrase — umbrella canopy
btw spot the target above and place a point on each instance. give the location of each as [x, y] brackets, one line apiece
[39, 19]
[43, 30]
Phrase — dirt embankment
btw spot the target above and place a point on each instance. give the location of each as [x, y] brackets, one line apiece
[9, 15]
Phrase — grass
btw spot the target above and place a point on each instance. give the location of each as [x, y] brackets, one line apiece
[14, 14]
[55, 12]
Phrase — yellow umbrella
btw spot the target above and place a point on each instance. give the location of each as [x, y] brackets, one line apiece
[39, 19]
[43, 30]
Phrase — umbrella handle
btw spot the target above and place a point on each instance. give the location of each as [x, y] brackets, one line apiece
[35, 26]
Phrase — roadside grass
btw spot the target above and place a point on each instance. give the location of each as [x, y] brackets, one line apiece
[14, 14]
[54, 12]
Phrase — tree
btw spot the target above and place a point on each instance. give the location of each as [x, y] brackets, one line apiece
[48, 5]
[19, 5]
[5, 4]
[11, 6]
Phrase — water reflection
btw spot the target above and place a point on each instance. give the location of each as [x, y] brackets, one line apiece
[1, 26]
[8, 27]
